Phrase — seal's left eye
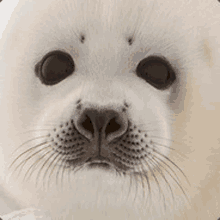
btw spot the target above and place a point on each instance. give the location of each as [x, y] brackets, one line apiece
[156, 71]
[54, 67]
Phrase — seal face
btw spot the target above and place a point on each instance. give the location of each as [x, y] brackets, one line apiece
[97, 131]
[106, 109]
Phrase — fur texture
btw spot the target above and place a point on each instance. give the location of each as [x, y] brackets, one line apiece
[107, 39]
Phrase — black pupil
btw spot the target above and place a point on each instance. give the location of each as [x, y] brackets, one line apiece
[56, 66]
[157, 72]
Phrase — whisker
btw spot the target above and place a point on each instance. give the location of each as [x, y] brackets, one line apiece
[142, 182]
[69, 170]
[118, 172]
[35, 130]
[26, 160]
[173, 164]
[168, 167]
[63, 170]
[62, 159]
[45, 162]
[163, 138]
[33, 139]
[28, 150]
[136, 189]
[162, 145]
[154, 176]
[148, 182]
[49, 166]
[35, 163]
[177, 181]
[55, 164]
[161, 173]
[160, 190]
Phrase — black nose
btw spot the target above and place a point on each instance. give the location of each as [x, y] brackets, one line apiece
[108, 124]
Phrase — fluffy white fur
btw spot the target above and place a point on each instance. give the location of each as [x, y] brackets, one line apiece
[183, 119]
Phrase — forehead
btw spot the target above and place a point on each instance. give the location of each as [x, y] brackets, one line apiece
[118, 16]
[114, 12]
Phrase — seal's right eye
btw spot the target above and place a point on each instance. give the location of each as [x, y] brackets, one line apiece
[54, 67]
[156, 71]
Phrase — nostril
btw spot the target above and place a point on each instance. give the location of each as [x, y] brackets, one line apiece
[112, 126]
[86, 124]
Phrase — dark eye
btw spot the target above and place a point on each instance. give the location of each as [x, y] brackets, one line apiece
[156, 71]
[54, 67]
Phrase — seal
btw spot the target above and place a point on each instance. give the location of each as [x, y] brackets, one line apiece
[110, 109]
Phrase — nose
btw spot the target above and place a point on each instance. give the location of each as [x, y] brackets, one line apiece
[107, 124]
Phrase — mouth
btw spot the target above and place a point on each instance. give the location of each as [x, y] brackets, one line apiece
[100, 165]
[99, 162]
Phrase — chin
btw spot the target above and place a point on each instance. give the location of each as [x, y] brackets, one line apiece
[110, 109]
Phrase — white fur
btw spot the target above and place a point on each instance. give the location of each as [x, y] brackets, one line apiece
[186, 116]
